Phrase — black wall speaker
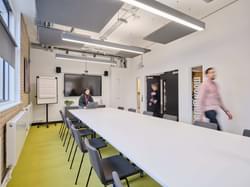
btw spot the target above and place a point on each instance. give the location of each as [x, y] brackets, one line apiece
[58, 69]
[106, 73]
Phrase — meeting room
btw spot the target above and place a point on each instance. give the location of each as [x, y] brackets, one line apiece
[124, 93]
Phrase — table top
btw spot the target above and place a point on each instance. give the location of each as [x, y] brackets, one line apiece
[175, 154]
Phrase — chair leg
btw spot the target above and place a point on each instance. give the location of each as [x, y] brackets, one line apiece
[68, 143]
[63, 133]
[73, 158]
[87, 184]
[60, 130]
[100, 154]
[141, 173]
[64, 142]
[71, 149]
[127, 182]
[79, 170]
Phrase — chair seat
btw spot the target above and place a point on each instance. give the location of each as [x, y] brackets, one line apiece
[79, 125]
[85, 132]
[97, 143]
[119, 164]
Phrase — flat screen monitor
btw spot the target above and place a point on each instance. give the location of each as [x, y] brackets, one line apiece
[74, 84]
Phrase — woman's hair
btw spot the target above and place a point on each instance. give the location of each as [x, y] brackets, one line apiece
[208, 69]
[85, 90]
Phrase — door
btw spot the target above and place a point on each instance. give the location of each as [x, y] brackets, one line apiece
[170, 93]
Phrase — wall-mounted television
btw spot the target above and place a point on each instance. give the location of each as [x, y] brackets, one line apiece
[74, 84]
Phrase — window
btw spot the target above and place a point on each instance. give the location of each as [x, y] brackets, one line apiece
[8, 76]
[4, 12]
[7, 81]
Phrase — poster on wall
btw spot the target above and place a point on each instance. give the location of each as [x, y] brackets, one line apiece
[197, 78]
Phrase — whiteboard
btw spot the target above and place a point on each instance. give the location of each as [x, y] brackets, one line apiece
[46, 90]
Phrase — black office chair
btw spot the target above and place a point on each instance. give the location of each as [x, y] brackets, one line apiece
[63, 129]
[132, 110]
[206, 125]
[170, 117]
[120, 108]
[116, 178]
[97, 143]
[246, 132]
[148, 113]
[83, 132]
[63, 126]
[104, 167]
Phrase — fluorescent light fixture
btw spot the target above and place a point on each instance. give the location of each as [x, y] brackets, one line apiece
[70, 37]
[165, 11]
[84, 59]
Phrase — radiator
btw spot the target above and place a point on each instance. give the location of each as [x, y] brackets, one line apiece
[16, 132]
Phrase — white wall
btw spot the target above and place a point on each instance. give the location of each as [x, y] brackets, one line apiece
[43, 63]
[225, 45]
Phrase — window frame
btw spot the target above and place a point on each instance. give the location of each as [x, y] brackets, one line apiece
[11, 99]
[8, 13]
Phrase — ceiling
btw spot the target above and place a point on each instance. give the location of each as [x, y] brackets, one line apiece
[116, 22]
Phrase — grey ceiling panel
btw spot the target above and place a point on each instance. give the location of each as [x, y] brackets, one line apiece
[168, 33]
[90, 15]
[53, 37]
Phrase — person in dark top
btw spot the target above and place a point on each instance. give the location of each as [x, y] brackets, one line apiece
[154, 100]
[85, 98]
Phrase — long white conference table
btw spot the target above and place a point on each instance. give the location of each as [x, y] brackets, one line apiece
[175, 154]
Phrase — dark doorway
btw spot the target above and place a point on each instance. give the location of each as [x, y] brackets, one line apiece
[153, 97]
[170, 93]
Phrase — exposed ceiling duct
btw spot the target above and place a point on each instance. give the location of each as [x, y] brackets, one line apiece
[85, 59]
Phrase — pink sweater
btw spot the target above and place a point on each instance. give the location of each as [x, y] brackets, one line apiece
[209, 97]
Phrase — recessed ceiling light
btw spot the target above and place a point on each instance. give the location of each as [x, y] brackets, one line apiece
[162, 10]
[102, 44]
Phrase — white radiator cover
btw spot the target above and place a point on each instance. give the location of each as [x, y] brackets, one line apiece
[16, 132]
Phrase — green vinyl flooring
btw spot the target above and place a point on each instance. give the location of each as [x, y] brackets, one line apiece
[43, 163]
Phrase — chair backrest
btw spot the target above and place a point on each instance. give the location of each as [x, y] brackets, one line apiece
[63, 118]
[120, 108]
[148, 113]
[69, 115]
[132, 110]
[92, 105]
[206, 125]
[95, 160]
[246, 132]
[77, 136]
[116, 179]
[170, 117]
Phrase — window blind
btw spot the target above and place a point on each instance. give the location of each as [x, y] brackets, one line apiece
[7, 44]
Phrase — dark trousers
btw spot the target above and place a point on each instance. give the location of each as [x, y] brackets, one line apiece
[212, 116]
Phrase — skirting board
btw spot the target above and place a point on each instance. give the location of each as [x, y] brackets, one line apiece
[7, 178]
[44, 123]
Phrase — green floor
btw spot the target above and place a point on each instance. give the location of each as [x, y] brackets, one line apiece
[43, 163]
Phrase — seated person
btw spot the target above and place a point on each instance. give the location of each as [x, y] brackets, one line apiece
[85, 98]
